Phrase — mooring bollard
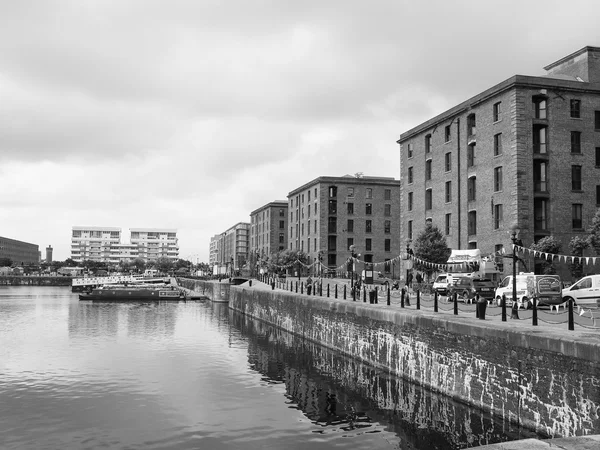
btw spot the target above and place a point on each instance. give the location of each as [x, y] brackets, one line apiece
[296, 287]
[503, 308]
[477, 306]
[344, 292]
[302, 288]
[402, 299]
[364, 295]
[389, 294]
[435, 301]
[455, 300]
[534, 320]
[376, 295]
[336, 291]
[407, 298]
[514, 314]
[327, 289]
[571, 318]
[250, 283]
[418, 299]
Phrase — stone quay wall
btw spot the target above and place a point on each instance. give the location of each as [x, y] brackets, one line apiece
[549, 385]
[213, 290]
[21, 280]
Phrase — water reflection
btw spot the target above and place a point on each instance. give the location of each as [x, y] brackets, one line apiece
[341, 394]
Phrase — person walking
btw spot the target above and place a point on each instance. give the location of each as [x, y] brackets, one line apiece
[309, 285]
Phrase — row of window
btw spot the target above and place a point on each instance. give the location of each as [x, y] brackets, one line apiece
[350, 192]
[300, 198]
[332, 245]
[332, 226]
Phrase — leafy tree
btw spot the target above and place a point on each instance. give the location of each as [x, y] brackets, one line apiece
[5, 262]
[165, 265]
[139, 264]
[594, 232]
[69, 263]
[430, 246]
[577, 246]
[548, 244]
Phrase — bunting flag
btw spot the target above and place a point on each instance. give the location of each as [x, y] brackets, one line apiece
[561, 258]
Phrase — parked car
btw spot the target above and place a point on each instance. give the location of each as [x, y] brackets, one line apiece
[505, 288]
[468, 288]
[378, 278]
[586, 292]
[440, 285]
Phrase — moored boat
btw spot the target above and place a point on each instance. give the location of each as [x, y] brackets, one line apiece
[136, 292]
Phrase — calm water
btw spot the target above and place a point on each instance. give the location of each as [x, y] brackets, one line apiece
[82, 375]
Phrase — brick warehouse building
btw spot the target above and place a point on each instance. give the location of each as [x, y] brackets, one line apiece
[328, 214]
[268, 228]
[524, 152]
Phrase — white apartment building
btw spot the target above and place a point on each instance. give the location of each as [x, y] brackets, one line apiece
[124, 253]
[154, 243]
[93, 243]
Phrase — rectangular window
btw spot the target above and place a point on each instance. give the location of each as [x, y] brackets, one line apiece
[540, 214]
[597, 156]
[540, 174]
[368, 209]
[497, 217]
[575, 141]
[410, 229]
[332, 225]
[387, 226]
[497, 179]
[597, 120]
[472, 222]
[368, 244]
[368, 226]
[447, 133]
[350, 226]
[302, 230]
[471, 155]
[497, 144]
[448, 162]
[577, 209]
[448, 191]
[369, 193]
[315, 226]
[410, 201]
[575, 109]
[387, 245]
[447, 224]
[428, 170]
[308, 229]
[309, 195]
[332, 192]
[539, 140]
[281, 213]
[410, 175]
[409, 150]
[350, 192]
[350, 209]
[387, 194]
[428, 199]
[471, 194]
[496, 112]
[350, 242]
[428, 143]
[281, 224]
[331, 243]
[332, 206]
[387, 210]
[308, 209]
[576, 178]
[597, 194]
[540, 106]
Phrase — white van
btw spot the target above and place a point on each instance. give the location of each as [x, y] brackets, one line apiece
[505, 288]
[586, 292]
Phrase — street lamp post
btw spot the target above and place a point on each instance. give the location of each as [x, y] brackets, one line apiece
[513, 237]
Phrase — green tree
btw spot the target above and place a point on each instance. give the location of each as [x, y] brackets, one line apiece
[577, 245]
[5, 262]
[69, 263]
[548, 244]
[430, 246]
[139, 264]
[594, 232]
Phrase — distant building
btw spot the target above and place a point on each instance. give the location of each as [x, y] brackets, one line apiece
[213, 253]
[19, 252]
[230, 249]
[525, 152]
[329, 214]
[49, 254]
[154, 243]
[268, 229]
[93, 243]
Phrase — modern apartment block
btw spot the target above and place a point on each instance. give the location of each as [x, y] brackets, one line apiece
[525, 152]
[154, 243]
[213, 251]
[232, 247]
[93, 243]
[329, 214]
[268, 228]
[19, 252]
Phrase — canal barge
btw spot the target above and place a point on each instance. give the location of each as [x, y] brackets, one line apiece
[134, 293]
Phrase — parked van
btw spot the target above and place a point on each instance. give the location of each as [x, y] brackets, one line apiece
[546, 288]
[586, 292]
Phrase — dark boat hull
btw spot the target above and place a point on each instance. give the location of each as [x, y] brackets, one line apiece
[125, 295]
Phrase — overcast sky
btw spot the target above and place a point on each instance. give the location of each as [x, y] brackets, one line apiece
[191, 114]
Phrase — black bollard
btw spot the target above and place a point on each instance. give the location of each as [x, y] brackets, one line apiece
[273, 285]
[534, 320]
[376, 294]
[407, 298]
[353, 293]
[364, 295]
[336, 291]
[344, 292]
[435, 302]
[327, 289]
[402, 299]
[302, 288]
[320, 289]
[418, 299]
[503, 308]
[250, 283]
[571, 318]
[296, 287]
[389, 294]
[477, 306]
[455, 300]
[514, 314]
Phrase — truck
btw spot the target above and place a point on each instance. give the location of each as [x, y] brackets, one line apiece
[470, 263]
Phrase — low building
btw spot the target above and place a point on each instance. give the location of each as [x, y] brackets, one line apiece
[19, 252]
[268, 229]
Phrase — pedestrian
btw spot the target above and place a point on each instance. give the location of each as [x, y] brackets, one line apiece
[409, 278]
[308, 285]
[419, 278]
